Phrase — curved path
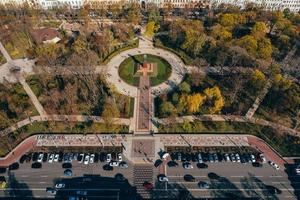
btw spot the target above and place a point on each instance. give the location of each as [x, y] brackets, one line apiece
[145, 47]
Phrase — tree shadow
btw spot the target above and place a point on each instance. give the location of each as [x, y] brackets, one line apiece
[165, 190]
[17, 189]
[293, 177]
[254, 187]
[97, 187]
[223, 188]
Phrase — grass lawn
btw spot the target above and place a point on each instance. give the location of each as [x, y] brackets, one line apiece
[8, 142]
[286, 145]
[127, 69]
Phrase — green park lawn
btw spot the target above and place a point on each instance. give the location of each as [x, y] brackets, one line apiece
[127, 69]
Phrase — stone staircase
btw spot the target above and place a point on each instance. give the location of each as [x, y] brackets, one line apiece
[142, 173]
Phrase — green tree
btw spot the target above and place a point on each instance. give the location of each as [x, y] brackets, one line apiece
[214, 99]
[185, 87]
[259, 30]
[249, 43]
[167, 109]
[264, 48]
[258, 79]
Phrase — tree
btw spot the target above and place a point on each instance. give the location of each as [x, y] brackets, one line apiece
[110, 110]
[220, 33]
[185, 87]
[264, 48]
[192, 103]
[281, 83]
[249, 43]
[258, 79]
[259, 30]
[133, 13]
[150, 29]
[167, 108]
[214, 99]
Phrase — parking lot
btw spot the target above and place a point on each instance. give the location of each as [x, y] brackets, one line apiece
[226, 174]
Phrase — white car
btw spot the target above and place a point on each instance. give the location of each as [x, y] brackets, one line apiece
[274, 165]
[86, 159]
[92, 158]
[81, 156]
[120, 157]
[252, 158]
[165, 155]
[40, 158]
[56, 157]
[262, 157]
[237, 156]
[114, 164]
[200, 160]
[163, 179]
[60, 185]
[108, 157]
[226, 156]
[51, 158]
[297, 170]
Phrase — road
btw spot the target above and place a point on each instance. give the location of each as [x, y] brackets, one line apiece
[240, 179]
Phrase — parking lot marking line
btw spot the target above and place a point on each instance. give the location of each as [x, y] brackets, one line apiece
[258, 176]
[23, 176]
[277, 176]
[44, 176]
[237, 176]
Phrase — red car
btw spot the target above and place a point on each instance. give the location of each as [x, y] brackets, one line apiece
[148, 186]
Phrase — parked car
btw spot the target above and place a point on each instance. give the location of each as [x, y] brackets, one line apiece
[157, 163]
[51, 191]
[123, 165]
[179, 156]
[237, 157]
[216, 159]
[114, 163]
[23, 159]
[165, 155]
[187, 165]
[66, 158]
[203, 185]
[252, 158]
[51, 158]
[107, 167]
[35, 156]
[202, 165]
[256, 164]
[92, 158]
[232, 158]
[45, 157]
[68, 172]
[36, 165]
[226, 157]
[172, 163]
[200, 160]
[120, 157]
[274, 165]
[40, 157]
[189, 178]
[59, 185]
[148, 186]
[14, 166]
[210, 158]
[86, 159]
[297, 169]
[80, 158]
[67, 165]
[119, 177]
[102, 157]
[56, 157]
[262, 158]
[163, 178]
[108, 158]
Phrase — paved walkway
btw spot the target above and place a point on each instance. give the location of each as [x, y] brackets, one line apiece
[145, 47]
[144, 149]
[38, 106]
[258, 100]
[229, 118]
[5, 53]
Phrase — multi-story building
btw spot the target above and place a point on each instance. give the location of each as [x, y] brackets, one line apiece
[293, 5]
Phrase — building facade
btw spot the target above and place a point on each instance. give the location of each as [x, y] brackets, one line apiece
[293, 5]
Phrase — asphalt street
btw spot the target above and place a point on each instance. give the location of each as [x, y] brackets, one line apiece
[225, 179]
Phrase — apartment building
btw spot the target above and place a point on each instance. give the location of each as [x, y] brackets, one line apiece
[293, 5]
